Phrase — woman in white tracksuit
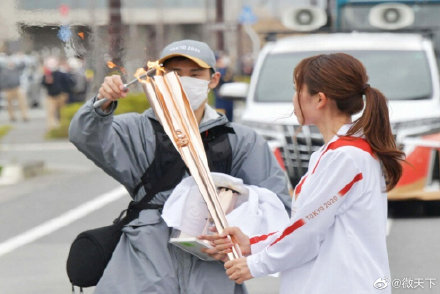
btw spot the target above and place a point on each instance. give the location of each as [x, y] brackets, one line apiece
[336, 239]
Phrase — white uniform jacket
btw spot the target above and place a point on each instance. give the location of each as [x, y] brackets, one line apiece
[336, 239]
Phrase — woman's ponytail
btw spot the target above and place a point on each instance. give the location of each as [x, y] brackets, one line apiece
[375, 125]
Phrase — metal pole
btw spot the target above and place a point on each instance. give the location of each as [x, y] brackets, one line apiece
[220, 20]
[115, 31]
[160, 29]
[95, 41]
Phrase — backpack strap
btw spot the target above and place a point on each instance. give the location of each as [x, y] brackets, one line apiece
[168, 168]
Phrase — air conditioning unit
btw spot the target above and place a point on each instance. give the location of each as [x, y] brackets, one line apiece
[391, 16]
[304, 19]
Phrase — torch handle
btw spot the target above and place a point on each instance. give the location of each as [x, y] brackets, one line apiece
[100, 102]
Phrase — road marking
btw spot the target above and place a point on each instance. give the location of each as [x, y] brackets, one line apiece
[63, 220]
[38, 146]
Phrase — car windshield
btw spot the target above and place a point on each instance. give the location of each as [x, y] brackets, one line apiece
[400, 75]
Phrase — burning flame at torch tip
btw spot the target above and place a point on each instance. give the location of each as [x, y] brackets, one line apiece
[156, 65]
[140, 73]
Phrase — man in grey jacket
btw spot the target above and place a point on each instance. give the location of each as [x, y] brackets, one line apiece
[134, 150]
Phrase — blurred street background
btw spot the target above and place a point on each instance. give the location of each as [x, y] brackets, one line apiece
[49, 191]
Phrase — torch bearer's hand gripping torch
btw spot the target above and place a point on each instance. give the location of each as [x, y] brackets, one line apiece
[148, 72]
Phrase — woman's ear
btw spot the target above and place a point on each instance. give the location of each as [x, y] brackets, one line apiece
[215, 79]
[322, 100]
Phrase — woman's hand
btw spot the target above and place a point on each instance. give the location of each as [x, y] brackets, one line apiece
[238, 270]
[222, 245]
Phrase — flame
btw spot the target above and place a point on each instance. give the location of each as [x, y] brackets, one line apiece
[111, 64]
[81, 35]
[156, 65]
[141, 73]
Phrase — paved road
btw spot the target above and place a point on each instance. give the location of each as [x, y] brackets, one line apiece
[36, 263]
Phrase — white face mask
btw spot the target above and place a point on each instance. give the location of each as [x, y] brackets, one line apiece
[196, 90]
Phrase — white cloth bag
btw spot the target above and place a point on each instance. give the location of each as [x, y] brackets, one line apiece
[257, 210]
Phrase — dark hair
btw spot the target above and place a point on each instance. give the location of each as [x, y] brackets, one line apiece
[344, 79]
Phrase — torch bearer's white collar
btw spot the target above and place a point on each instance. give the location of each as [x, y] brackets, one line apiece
[210, 114]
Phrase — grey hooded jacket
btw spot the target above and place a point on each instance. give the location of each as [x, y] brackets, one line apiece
[144, 262]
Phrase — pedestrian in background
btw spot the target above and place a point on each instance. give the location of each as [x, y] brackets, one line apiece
[78, 80]
[31, 79]
[57, 84]
[336, 240]
[10, 76]
[222, 104]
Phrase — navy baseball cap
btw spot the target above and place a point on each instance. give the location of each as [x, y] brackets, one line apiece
[197, 51]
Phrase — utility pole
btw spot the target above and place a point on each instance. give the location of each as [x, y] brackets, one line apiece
[219, 8]
[115, 31]
[95, 53]
[159, 28]
[331, 14]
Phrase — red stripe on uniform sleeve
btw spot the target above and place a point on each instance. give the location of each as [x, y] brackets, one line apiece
[347, 141]
[344, 190]
[299, 223]
[299, 187]
[289, 230]
[257, 239]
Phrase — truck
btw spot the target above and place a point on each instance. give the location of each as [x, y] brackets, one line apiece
[373, 15]
[402, 65]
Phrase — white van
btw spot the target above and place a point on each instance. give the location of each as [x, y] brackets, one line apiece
[402, 66]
